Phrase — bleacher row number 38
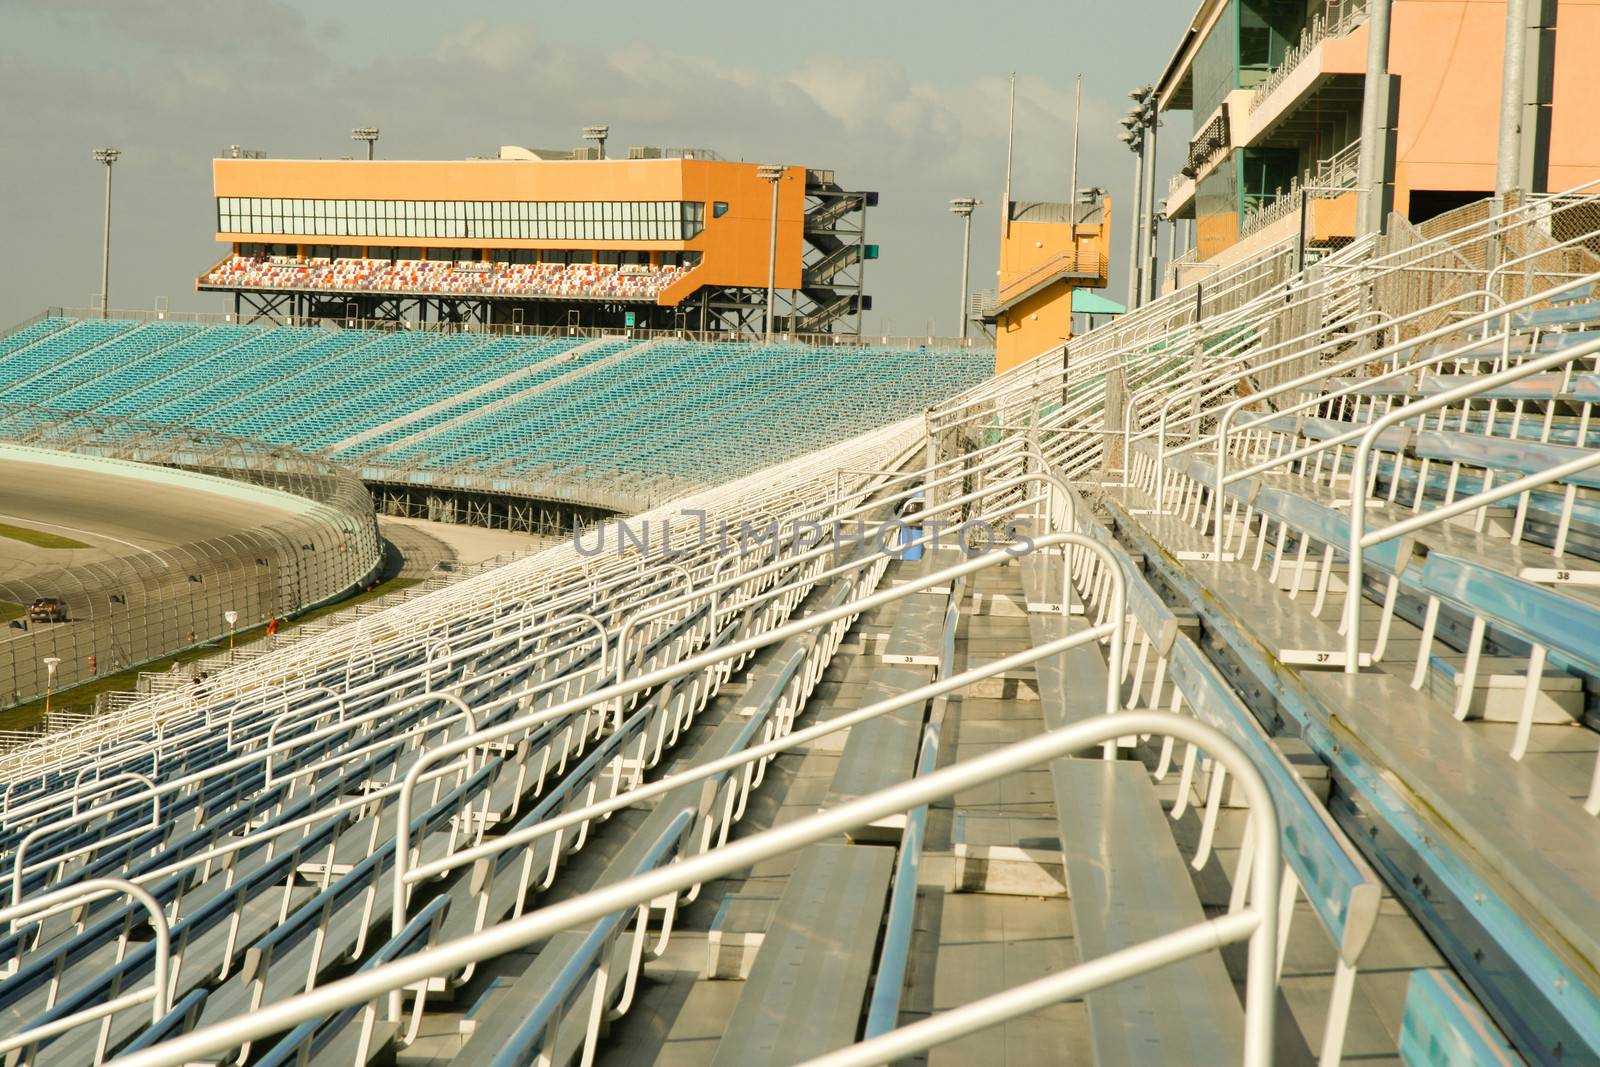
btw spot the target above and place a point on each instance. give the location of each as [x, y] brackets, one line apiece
[1559, 576]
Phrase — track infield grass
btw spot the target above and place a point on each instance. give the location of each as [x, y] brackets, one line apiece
[38, 538]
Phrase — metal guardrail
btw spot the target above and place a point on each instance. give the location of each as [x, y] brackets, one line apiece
[1332, 178]
[982, 302]
[1256, 922]
[1258, 319]
[1340, 18]
[130, 609]
[543, 578]
[1197, 344]
[908, 342]
[1362, 539]
[1074, 262]
[1389, 353]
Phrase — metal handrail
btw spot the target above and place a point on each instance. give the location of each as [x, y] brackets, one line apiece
[155, 791]
[1060, 264]
[494, 641]
[342, 322]
[398, 623]
[1256, 922]
[1146, 323]
[1360, 540]
[19, 870]
[1222, 478]
[1351, 259]
[716, 587]
[71, 897]
[883, 1004]
[623, 688]
[722, 765]
[1321, 28]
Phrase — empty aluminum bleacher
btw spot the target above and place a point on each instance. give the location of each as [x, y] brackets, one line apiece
[1486, 853]
[1463, 583]
[462, 403]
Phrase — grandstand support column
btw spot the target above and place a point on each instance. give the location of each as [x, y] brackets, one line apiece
[1172, 245]
[1373, 166]
[1508, 152]
[1539, 58]
[1115, 422]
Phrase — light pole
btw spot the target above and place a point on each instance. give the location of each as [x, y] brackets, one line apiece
[108, 156]
[368, 134]
[1148, 274]
[50, 665]
[771, 173]
[963, 205]
[232, 617]
[1139, 126]
[598, 134]
[1132, 136]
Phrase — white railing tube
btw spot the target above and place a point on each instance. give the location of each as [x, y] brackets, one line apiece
[72, 896]
[1322, 373]
[621, 688]
[723, 764]
[714, 589]
[1258, 921]
[954, 1023]
[18, 870]
[1360, 540]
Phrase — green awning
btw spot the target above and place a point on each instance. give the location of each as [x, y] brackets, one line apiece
[1088, 302]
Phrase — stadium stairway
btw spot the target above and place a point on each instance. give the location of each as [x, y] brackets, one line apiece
[1002, 884]
[885, 924]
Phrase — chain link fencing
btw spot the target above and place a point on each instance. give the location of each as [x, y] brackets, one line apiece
[128, 610]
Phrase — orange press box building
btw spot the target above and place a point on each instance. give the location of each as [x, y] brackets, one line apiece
[666, 239]
[1048, 251]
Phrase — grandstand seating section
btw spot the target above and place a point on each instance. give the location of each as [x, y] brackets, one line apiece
[456, 278]
[1437, 811]
[664, 412]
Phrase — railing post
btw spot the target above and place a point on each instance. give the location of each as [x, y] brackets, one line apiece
[1114, 415]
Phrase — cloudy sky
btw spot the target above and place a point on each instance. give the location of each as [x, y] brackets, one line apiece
[903, 97]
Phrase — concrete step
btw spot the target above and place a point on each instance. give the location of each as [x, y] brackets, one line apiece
[737, 930]
[1007, 855]
[1499, 686]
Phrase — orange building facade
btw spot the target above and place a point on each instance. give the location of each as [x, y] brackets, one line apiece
[674, 239]
[1276, 89]
[1042, 260]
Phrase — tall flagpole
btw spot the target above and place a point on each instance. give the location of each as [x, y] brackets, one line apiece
[1072, 191]
[1011, 126]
